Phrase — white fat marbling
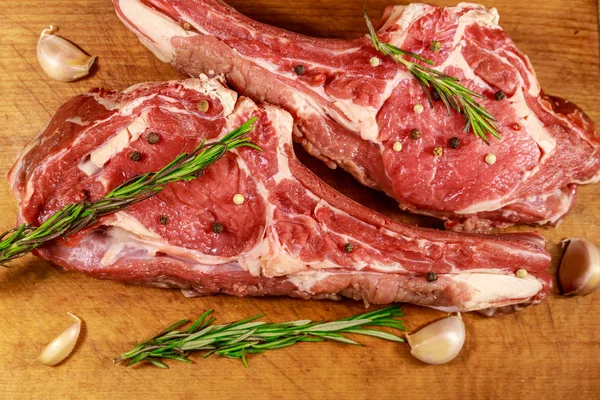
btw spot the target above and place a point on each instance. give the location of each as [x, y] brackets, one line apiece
[155, 30]
[489, 288]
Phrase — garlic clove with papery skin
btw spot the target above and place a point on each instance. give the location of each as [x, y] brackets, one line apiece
[579, 270]
[60, 59]
[60, 348]
[438, 342]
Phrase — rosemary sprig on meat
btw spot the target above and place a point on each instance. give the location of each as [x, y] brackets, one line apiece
[450, 91]
[72, 218]
[248, 336]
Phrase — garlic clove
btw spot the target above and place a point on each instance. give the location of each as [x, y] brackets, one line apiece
[438, 342]
[579, 270]
[60, 348]
[60, 59]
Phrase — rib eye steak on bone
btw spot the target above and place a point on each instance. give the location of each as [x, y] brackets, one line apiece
[293, 235]
[350, 112]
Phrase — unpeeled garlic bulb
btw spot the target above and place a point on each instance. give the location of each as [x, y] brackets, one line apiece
[438, 342]
[61, 59]
[60, 348]
[579, 270]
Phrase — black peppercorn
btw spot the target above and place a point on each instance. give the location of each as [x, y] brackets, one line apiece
[415, 134]
[217, 227]
[85, 194]
[348, 247]
[431, 276]
[163, 220]
[499, 95]
[199, 173]
[136, 156]
[435, 95]
[454, 142]
[152, 138]
[299, 69]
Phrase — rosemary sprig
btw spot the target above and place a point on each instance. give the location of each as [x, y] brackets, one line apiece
[248, 336]
[451, 92]
[73, 217]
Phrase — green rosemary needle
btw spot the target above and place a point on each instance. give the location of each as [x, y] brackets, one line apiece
[19, 241]
[248, 336]
[450, 91]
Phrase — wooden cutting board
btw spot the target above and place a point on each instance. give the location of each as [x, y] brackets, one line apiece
[551, 351]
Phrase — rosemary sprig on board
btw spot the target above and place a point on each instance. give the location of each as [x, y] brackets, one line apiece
[19, 241]
[248, 336]
[450, 91]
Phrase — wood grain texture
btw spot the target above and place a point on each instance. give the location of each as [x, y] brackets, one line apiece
[549, 351]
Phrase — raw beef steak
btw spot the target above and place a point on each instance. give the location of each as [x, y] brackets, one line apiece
[351, 105]
[293, 235]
